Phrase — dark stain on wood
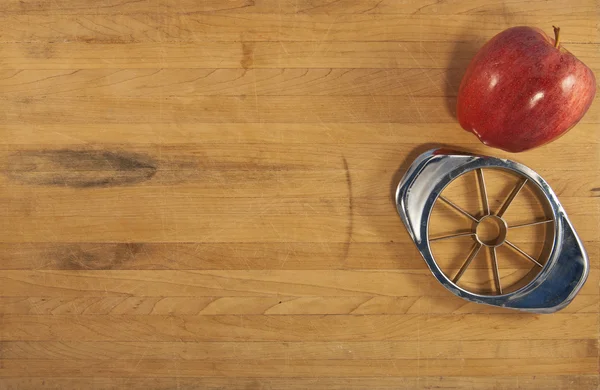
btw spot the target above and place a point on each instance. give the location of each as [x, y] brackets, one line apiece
[247, 55]
[40, 50]
[80, 169]
[209, 256]
[111, 40]
[350, 228]
[96, 257]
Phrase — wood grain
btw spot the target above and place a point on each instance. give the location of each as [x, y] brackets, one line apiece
[57, 135]
[294, 368]
[453, 7]
[206, 27]
[563, 382]
[376, 350]
[103, 304]
[442, 327]
[454, 56]
[230, 283]
[199, 194]
[223, 82]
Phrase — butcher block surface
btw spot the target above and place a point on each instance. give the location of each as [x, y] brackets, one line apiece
[199, 195]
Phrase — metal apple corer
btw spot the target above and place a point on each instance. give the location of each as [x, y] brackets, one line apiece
[552, 277]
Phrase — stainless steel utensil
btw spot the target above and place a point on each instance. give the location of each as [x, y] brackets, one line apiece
[560, 277]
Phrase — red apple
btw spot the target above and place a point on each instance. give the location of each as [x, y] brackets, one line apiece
[522, 90]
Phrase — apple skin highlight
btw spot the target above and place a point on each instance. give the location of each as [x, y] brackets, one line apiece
[520, 91]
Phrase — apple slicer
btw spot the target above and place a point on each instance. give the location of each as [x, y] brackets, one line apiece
[503, 239]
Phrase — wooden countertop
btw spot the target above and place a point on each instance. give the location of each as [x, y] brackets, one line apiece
[197, 194]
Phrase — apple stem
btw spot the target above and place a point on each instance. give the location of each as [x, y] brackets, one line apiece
[556, 36]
